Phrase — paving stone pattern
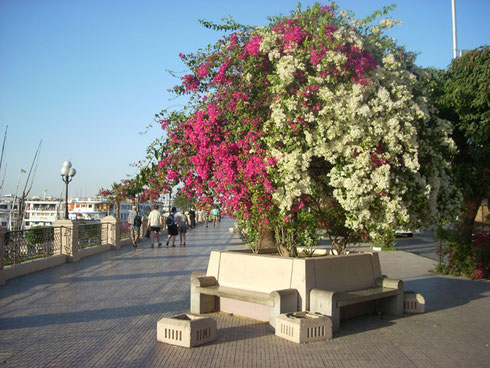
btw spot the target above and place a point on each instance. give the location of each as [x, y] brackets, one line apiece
[103, 312]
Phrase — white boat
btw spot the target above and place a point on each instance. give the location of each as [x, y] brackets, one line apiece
[89, 208]
[42, 212]
[9, 212]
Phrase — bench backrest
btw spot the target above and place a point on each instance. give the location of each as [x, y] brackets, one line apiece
[266, 273]
[251, 271]
[347, 273]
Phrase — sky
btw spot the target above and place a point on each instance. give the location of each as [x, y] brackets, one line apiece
[86, 77]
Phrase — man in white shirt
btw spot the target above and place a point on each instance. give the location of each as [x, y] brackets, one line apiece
[155, 225]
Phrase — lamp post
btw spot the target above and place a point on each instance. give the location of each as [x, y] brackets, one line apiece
[455, 39]
[67, 174]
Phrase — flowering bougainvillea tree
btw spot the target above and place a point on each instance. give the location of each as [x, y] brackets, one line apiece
[127, 189]
[316, 120]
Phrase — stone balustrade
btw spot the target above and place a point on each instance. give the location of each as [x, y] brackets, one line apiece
[66, 247]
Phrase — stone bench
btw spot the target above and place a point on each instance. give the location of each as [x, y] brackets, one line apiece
[263, 286]
[360, 283]
[235, 287]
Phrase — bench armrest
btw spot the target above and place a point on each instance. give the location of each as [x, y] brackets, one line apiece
[202, 303]
[389, 283]
[323, 301]
[203, 281]
[284, 301]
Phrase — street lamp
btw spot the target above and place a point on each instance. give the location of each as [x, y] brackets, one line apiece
[67, 174]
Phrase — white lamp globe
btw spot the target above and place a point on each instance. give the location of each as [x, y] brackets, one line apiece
[73, 172]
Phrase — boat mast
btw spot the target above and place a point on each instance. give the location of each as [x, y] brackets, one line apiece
[1, 158]
[26, 191]
[14, 226]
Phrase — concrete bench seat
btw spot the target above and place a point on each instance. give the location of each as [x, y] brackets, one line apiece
[360, 296]
[360, 285]
[238, 294]
[264, 286]
[236, 286]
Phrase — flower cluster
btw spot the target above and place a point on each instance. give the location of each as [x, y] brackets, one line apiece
[469, 259]
[308, 111]
[126, 189]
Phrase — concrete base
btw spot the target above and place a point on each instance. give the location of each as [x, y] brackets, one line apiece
[413, 302]
[22, 269]
[186, 330]
[301, 327]
[267, 273]
[87, 252]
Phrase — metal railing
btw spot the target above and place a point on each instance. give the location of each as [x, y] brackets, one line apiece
[125, 232]
[20, 246]
[26, 245]
[89, 235]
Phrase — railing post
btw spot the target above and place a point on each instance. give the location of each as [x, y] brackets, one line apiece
[3, 230]
[112, 229]
[67, 231]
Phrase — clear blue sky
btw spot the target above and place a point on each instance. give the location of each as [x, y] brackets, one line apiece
[87, 76]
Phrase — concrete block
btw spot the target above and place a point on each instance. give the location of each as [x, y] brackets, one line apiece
[285, 301]
[392, 306]
[301, 327]
[325, 302]
[413, 302]
[201, 303]
[186, 330]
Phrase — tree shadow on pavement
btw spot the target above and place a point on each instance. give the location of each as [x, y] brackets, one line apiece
[444, 292]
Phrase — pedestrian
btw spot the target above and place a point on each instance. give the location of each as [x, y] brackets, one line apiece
[192, 216]
[206, 217]
[134, 221]
[183, 224]
[215, 213]
[173, 231]
[155, 225]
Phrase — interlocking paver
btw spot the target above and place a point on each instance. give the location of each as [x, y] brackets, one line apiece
[103, 311]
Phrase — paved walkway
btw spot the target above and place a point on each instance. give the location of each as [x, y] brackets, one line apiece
[103, 311]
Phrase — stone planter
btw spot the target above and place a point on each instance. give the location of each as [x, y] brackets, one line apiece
[186, 330]
[301, 327]
[266, 273]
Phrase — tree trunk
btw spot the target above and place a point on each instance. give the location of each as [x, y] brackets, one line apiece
[266, 237]
[466, 220]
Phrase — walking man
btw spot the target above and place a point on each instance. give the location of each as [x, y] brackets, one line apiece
[192, 216]
[215, 213]
[134, 221]
[155, 225]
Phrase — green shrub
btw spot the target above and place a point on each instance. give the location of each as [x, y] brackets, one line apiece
[386, 239]
[463, 258]
[40, 234]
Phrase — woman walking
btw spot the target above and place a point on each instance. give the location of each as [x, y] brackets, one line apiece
[183, 224]
[172, 227]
